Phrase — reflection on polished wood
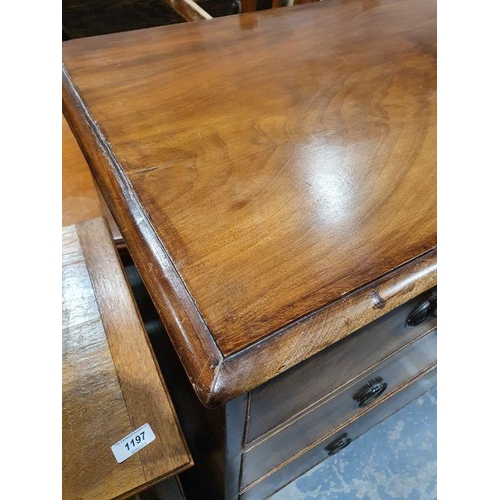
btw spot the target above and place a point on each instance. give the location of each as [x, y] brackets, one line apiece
[273, 174]
[111, 384]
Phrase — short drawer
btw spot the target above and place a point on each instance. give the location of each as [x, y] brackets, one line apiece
[317, 452]
[297, 389]
[274, 449]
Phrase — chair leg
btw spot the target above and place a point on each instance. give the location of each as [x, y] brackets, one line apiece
[248, 5]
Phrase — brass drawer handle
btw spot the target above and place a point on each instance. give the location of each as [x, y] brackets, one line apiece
[423, 312]
[338, 445]
[370, 392]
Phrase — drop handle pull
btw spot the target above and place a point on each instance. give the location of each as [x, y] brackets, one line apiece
[426, 310]
[338, 445]
[370, 392]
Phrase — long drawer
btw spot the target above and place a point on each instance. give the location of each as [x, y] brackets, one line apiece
[273, 403]
[331, 413]
[317, 451]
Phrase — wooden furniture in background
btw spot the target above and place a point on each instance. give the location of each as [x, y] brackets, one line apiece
[189, 10]
[251, 5]
[111, 384]
[274, 206]
[80, 201]
[81, 197]
[82, 18]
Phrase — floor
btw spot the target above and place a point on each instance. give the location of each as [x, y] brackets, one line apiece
[397, 459]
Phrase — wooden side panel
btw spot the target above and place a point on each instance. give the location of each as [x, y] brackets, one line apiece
[236, 424]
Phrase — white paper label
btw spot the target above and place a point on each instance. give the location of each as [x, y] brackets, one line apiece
[132, 443]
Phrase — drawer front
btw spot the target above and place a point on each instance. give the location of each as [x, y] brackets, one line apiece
[394, 371]
[317, 452]
[304, 385]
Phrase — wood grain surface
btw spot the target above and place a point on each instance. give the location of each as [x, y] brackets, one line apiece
[111, 384]
[263, 167]
[79, 196]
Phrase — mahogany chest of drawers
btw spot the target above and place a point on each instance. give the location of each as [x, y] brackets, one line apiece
[259, 442]
[273, 176]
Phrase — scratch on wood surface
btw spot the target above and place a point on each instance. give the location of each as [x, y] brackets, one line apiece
[378, 301]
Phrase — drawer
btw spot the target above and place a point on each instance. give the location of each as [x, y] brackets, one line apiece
[396, 370]
[304, 385]
[317, 452]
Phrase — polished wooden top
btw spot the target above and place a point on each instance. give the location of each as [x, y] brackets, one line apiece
[111, 384]
[267, 164]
